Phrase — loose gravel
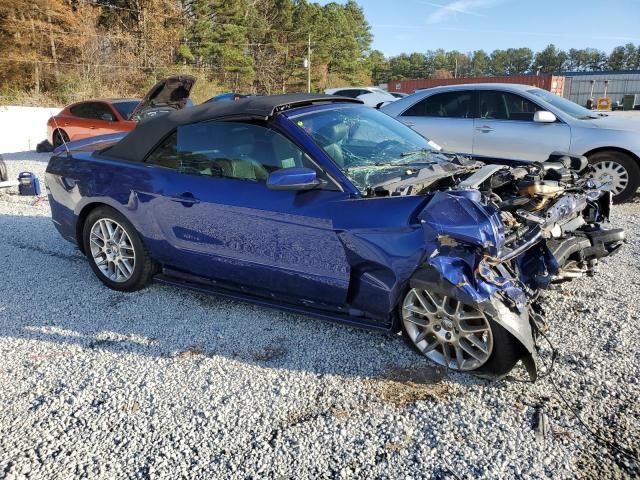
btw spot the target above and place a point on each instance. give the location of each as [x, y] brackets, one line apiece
[166, 383]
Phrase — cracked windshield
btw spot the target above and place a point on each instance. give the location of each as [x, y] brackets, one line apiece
[367, 145]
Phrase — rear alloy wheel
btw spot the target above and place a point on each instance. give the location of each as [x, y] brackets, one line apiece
[617, 172]
[458, 336]
[112, 250]
[115, 251]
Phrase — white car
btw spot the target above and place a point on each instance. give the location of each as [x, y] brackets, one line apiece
[371, 96]
[519, 121]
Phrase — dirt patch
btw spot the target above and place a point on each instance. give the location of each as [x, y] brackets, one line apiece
[270, 352]
[190, 352]
[403, 386]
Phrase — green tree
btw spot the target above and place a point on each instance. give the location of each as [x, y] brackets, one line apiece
[479, 63]
[631, 54]
[617, 59]
[229, 42]
[550, 60]
[518, 60]
[379, 66]
[499, 62]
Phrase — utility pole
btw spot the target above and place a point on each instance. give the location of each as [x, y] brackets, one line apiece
[309, 65]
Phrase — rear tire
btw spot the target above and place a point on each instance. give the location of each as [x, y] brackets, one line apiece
[60, 137]
[115, 251]
[620, 169]
[458, 336]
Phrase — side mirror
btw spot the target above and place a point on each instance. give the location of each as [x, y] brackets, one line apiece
[544, 116]
[107, 116]
[294, 178]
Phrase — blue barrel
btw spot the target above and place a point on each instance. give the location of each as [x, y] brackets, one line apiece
[29, 184]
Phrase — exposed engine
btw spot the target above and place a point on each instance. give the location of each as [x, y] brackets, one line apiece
[554, 201]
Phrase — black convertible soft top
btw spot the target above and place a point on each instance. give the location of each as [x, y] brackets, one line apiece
[148, 133]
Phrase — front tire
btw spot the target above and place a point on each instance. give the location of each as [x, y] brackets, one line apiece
[620, 171]
[458, 336]
[115, 251]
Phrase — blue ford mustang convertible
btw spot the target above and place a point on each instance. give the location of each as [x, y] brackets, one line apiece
[320, 205]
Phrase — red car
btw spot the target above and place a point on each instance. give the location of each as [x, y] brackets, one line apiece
[98, 117]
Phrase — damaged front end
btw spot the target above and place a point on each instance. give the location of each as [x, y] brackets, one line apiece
[505, 232]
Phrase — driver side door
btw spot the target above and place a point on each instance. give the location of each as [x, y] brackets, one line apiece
[219, 220]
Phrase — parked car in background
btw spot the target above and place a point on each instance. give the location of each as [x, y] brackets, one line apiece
[99, 117]
[227, 97]
[399, 94]
[370, 96]
[524, 122]
[318, 204]
[90, 118]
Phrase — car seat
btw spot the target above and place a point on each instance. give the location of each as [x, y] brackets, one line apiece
[333, 136]
[242, 162]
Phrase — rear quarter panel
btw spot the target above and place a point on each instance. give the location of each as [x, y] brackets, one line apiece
[75, 182]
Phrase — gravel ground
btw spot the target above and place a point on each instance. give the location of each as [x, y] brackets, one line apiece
[166, 383]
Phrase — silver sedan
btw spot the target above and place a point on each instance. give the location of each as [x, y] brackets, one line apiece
[527, 123]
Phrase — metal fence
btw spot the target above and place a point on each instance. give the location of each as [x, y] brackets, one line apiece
[577, 86]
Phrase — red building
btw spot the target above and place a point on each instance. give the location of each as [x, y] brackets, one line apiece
[553, 83]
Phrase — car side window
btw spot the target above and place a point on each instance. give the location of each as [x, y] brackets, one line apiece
[103, 112]
[82, 110]
[93, 110]
[506, 106]
[444, 105]
[227, 149]
[351, 93]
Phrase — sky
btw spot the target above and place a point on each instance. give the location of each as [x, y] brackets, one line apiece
[467, 25]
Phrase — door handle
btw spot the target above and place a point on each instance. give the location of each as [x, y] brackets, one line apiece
[187, 199]
[409, 124]
[485, 129]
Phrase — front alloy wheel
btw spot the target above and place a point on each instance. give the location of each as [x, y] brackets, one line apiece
[461, 337]
[446, 331]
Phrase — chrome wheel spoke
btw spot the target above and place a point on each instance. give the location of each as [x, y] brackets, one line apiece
[428, 304]
[421, 336]
[446, 351]
[476, 342]
[467, 327]
[459, 356]
[472, 351]
[416, 310]
[420, 322]
[432, 346]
